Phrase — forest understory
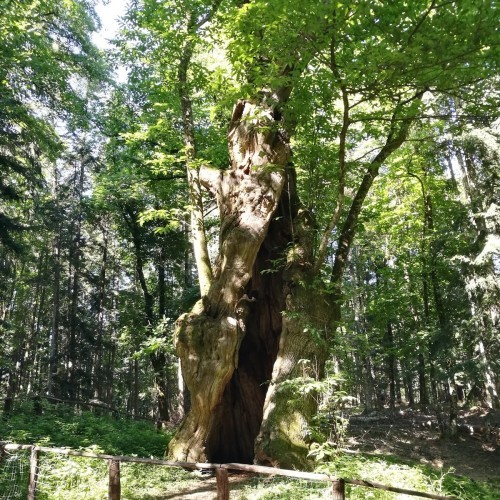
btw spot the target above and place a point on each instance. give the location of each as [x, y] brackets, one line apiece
[402, 436]
[415, 435]
[401, 447]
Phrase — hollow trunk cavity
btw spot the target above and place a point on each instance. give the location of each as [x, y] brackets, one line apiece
[237, 344]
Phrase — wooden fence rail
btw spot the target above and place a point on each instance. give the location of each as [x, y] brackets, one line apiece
[221, 473]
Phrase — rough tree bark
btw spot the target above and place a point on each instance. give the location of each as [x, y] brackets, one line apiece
[237, 338]
[97, 361]
[76, 253]
[248, 331]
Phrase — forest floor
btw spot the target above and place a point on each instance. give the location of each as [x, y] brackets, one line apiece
[415, 435]
[402, 448]
[403, 436]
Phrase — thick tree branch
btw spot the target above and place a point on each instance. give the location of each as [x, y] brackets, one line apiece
[210, 178]
[209, 16]
[444, 116]
[169, 177]
[205, 274]
[325, 239]
[398, 133]
[420, 22]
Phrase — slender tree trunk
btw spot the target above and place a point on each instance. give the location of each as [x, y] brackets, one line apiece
[368, 385]
[445, 340]
[399, 395]
[111, 375]
[183, 396]
[56, 298]
[77, 250]
[29, 346]
[73, 382]
[157, 359]
[159, 364]
[491, 394]
[16, 355]
[11, 302]
[198, 235]
[136, 387]
[408, 383]
[133, 388]
[426, 259]
[162, 284]
[98, 371]
[391, 364]
[422, 382]
[8, 402]
[34, 383]
[363, 358]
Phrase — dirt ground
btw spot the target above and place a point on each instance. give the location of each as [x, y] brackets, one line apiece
[206, 488]
[408, 434]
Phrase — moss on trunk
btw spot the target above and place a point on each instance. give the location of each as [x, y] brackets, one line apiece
[247, 335]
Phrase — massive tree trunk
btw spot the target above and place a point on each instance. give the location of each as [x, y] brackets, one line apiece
[237, 338]
[264, 311]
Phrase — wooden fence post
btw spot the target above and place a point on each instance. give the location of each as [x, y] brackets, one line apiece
[222, 483]
[339, 489]
[33, 473]
[114, 489]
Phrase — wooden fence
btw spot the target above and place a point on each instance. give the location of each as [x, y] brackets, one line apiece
[221, 473]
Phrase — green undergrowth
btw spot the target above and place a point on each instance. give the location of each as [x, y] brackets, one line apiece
[62, 477]
[72, 478]
[59, 426]
[391, 471]
[385, 470]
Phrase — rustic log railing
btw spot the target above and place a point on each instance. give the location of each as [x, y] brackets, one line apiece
[221, 473]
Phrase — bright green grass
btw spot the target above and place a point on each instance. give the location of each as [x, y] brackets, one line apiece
[405, 474]
[75, 478]
[384, 470]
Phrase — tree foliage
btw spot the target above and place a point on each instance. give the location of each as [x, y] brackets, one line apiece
[371, 129]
